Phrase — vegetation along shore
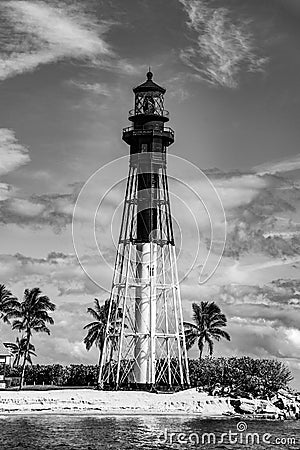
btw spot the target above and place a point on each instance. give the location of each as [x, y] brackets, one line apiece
[218, 386]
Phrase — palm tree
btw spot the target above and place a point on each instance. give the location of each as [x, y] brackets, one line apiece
[7, 303]
[97, 328]
[31, 315]
[208, 320]
[18, 349]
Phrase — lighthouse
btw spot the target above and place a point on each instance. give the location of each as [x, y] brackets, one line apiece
[144, 343]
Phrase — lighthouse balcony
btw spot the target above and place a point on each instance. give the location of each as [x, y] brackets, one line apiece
[139, 112]
[131, 134]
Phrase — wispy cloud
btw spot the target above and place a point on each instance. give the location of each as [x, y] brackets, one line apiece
[176, 87]
[95, 88]
[36, 33]
[223, 48]
[285, 165]
[12, 156]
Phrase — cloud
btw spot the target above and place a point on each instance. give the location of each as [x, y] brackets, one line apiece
[274, 317]
[36, 33]
[176, 87]
[94, 88]
[12, 154]
[263, 320]
[263, 224]
[243, 239]
[239, 190]
[224, 46]
[260, 339]
[278, 292]
[61, 349]
[285, 165]
[57, 270]
[54, 210]
[263, 229]
[5, 190]
[65, 345]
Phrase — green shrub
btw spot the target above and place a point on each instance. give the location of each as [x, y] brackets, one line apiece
[242, 376]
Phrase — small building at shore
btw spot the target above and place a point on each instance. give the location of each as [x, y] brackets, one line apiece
[5, 359]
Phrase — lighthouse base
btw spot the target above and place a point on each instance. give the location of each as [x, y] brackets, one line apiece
[145, 343]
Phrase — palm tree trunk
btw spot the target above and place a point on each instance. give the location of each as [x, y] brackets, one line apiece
[23, 373]
[200, 346]
[17, 360]
[25, 360]
[100, 355]
[99, 365]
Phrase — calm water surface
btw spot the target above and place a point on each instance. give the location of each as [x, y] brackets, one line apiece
[146, 432]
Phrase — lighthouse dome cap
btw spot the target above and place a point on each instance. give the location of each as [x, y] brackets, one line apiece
[149, 85]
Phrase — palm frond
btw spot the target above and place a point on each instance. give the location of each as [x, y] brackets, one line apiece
[190, 325]
[221, 333]
[92, 324]
[190, 341]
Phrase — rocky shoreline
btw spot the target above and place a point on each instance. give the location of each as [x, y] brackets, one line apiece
[189, 402]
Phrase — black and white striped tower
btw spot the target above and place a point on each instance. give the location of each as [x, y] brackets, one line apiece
[144, 343]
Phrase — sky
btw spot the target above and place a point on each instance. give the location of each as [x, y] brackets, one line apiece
[231, 69]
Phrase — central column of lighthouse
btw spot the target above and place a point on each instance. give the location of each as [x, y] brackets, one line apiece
[146, 272]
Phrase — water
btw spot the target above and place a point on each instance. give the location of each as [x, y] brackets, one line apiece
[60, 432]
